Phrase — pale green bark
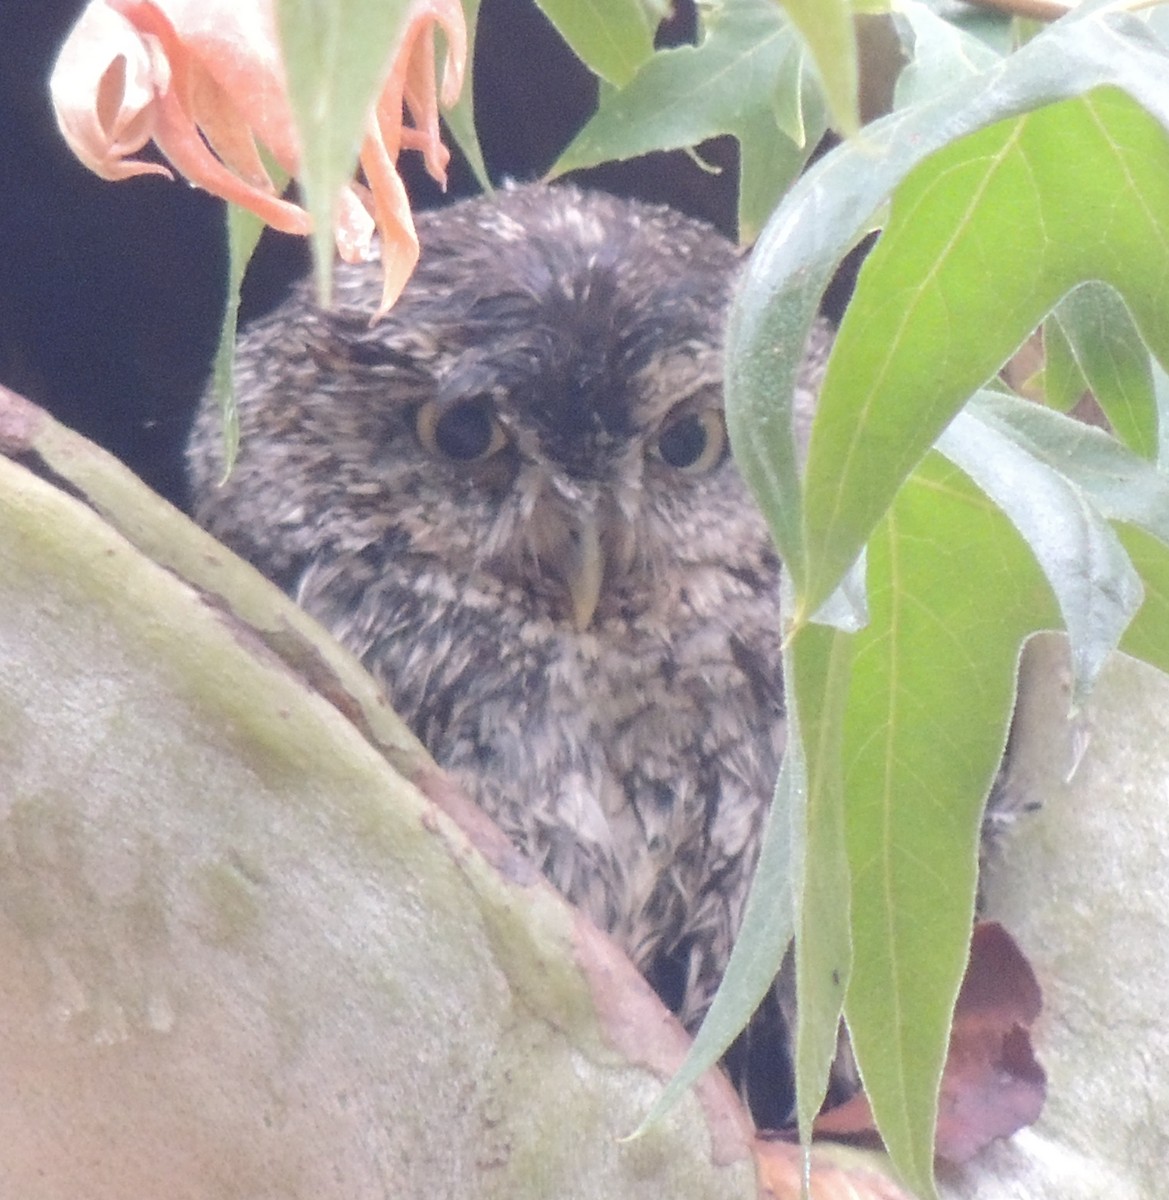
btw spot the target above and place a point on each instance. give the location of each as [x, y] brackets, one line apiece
[1082, 885]
[242, 955]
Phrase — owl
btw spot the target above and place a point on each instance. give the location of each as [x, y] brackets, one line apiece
[513, 499]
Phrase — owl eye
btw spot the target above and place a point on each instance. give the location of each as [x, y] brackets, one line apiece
[693, 443]
[466, 432]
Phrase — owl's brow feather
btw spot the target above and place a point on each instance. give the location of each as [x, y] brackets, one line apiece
[344, 338]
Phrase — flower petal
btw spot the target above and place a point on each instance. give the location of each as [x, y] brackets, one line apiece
[355, 228]
[420, 92]
[177, 134]
[228, 134]
[411, 82]
[103, 89]
[419, 88]
[204, 80]
[395, 224]
[454, 25]
[235, 42]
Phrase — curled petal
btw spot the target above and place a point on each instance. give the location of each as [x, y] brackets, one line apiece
[449, 15]
[235, 44]
[176, 129]
[228, 134]
[179, 140]
[411, 82]
[418, 87]
[103, 88]
[420, 93]
[395, 224]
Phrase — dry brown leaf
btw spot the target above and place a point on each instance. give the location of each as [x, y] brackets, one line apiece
[992, 1085]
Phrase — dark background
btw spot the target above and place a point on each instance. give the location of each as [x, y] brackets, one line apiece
[111, 293]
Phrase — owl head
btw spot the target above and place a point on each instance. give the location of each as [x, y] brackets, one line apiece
[542, 409]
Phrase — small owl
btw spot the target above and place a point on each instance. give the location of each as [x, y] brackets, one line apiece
[513, 499]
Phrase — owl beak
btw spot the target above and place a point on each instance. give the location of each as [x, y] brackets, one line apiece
[584, 571]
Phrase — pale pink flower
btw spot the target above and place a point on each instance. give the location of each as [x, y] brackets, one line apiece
[203, 79]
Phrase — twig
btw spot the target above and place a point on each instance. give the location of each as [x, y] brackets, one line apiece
[1037, 10]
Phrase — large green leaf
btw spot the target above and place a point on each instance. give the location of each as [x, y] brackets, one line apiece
[613, 38]
[1124, 487]
[954, 590]
[933, 318]
[335, 58]
[930, 322]
[1095, 584]
[953, 593]
[744, 78]
[991, 224]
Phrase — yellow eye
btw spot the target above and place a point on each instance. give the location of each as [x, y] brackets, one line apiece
[694, 443]
[466, 432]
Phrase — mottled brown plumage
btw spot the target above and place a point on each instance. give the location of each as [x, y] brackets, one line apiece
[512, 498]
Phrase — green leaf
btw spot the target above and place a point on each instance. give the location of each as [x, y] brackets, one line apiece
[243, 235]
[335, 58]
[994, 29]
[827, 29]
[818, 663]
[1146, 637]
[982, 242]
[958, 288]
[1094, 582]
[1113, 360]
[954, 591]
[940, 53]
[1122, 485]
[932, 318]
[741, 79]
[921, 334]
[767, 165]
[613, 38]
[460, 119]
[1063, 382]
